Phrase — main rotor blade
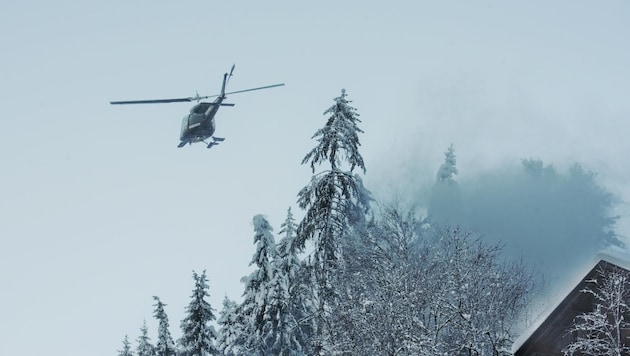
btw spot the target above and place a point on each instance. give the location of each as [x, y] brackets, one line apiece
[259, 88]
[243, 91]
[156, 101]
[194, 98]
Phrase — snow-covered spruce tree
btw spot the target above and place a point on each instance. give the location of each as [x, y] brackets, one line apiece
[197, 335]
[288, 295]
[126, 350]
[231, 334]
[601, 332]
[445, 203]
[259, 316]
[448, 170]
[144, 348]
[334, 200]
[165, 345]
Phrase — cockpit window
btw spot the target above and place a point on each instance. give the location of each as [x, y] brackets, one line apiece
[200, 108]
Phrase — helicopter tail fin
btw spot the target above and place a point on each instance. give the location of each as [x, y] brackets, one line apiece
[226, 78]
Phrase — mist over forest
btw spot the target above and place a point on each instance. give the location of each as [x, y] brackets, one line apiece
[555, 220]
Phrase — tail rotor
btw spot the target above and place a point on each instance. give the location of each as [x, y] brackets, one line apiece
[231, 71]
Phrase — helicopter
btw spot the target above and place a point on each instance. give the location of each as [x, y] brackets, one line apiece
[198, 125]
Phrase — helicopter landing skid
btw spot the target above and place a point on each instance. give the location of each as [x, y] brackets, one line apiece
[215, 141]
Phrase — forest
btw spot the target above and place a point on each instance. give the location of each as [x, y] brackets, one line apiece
[454, 275]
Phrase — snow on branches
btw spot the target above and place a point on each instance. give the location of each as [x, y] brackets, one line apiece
[601, 331]
[338, 140]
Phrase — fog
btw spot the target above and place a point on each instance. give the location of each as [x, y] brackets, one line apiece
[539, 165]
[555, 221]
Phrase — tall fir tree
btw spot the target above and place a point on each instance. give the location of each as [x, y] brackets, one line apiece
[339, 139]
[230, 336]
[333, 201]
[288, 295]
[165, 345]
[448, 169]
[258, 315]
[126, 350]
[333, 195]
[197, 335]
[144, 348]
[445, 202]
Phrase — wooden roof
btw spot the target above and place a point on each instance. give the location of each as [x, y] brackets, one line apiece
[552, 334]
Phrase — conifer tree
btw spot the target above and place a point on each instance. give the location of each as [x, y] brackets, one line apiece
[339, 139]
[445, 203]
[144, 342]
[259, 316]
[288, 295]
[165, 345]
[287, 264]
[448, 169]
[332, 193]
[126, 350]
[230, 336]
[333, 200]
[197, 336]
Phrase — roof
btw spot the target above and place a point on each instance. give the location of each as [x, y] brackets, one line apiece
[549, 335]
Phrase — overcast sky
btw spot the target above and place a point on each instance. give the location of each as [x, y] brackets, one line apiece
[100, 210]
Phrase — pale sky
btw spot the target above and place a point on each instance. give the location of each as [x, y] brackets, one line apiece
[100, 210]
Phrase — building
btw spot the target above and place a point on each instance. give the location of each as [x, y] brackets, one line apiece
[551, 335]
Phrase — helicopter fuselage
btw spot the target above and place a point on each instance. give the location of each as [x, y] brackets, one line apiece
[199, 125]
